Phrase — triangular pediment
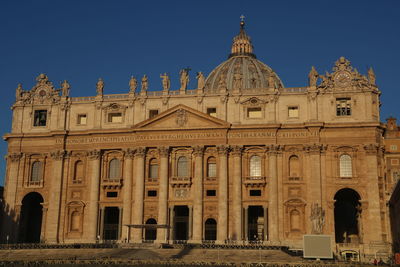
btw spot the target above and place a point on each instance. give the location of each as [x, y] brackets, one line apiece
[181, 117]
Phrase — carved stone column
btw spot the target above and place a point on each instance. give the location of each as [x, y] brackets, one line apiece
[93, 209]
[236, 152]
[13, 160]
[163, 195]
[273, 194]
[222, 194]
[373, 229]
[53, 217]
[198, 195]
[127, 201]
[314, 185]
[139, 193]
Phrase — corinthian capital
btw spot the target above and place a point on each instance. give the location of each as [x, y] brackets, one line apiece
[236, 151]
[274, 149]
[140, 152]
[94, 154]
[371, 148]
[198, 151]
[222, 150]
[14, 157]
[57, 155]
[163, 151]
[129, 153]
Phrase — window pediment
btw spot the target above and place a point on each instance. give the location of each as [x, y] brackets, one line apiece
[253, 101]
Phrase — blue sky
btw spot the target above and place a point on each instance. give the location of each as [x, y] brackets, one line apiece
[83, 40]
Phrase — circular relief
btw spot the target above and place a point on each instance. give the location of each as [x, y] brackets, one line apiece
[42, 93]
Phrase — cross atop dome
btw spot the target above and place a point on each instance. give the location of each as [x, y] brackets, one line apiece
[242, 43]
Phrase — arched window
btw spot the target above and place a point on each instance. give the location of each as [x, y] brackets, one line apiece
[294, 220]
[75, 221]
[114, 169]
[255, 166]
[153, 169]
[78, 172]
[36, 171]
[345, 166]
[294, 166]
[182, 167]
[211, 167]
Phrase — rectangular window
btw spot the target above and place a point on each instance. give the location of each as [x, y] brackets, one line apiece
[152, 193]
[112, 194]
[212, 112]
[293, 112]
[115, 117]
[255, 193]
[394, 161]
[212, 169]
[82, 119]
[153, 113]
[211, 193]
[393, 147]
[153, 171]
[343, 106]
[254, 113]
[40, 118]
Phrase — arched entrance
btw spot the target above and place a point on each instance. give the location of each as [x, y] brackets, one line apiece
[210, 229]
[31, 218]
[150, 233]
[347, 216]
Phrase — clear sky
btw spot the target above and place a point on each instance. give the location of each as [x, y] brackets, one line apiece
[82, 40]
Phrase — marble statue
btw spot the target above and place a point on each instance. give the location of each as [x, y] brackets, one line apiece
[371, 76]
[18, 92]
[184, 78]
[237, 81]
[100, 87]
[317, 218]
[132, 84]
[313, 77]
[65, 88]
[145, 83]
[166, 83]
[200, 80]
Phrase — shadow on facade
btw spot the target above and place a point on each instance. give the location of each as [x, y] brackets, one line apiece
[8, 223]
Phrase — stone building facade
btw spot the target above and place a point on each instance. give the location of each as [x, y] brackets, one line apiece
[240, 158]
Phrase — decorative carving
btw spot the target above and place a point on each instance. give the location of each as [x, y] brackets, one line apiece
[163, 151]
[65, 106]
[371, 148]
[165, 100]
[100, 87]
[165, 81]
[273, 98]
[132, 84]
[145, 84]
[236, 151]
[312, 95]
[94, 154]
[140, 152]
[14, 157]
[371, 76]
[18, 92]
[222, 150]
[317, 218]
[253, 101]
[274, 149]
[65, 88]
[237, 82]
[313, 77]
[181, 193]
[129, 153]
[58, 155]
[314, 148]
[200, 80]
[198, 151]
[114, 106]
[184, 78]
[181, 117]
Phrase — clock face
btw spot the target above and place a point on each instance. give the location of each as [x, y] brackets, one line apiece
[343, 79]
[42, 93]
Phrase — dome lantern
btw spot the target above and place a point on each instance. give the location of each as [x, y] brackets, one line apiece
[242, 43]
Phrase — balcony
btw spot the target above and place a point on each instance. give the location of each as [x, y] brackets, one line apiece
[181, 181]
[255, 181]
[34, 184]
[114, 183]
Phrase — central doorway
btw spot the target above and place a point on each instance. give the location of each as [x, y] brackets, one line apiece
[181, 227]
[210, 230]
[111, 223]
[256, 223]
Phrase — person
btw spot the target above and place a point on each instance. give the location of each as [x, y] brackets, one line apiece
[375, 262]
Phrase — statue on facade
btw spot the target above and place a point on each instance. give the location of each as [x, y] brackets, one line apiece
[166, 83]
[65, 88]
[100, 86]
[184, 78]
[145, 83]
[132, 84]
[317, 218]
[200, 80]
[313, 77]
[18, 92]
[371, 76]
[237, 81]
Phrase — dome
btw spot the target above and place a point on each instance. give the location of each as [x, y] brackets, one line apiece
[242, 72]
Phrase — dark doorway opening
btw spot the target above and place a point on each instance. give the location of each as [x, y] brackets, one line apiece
[150, 233]
[31, 218]
[181, 227]
[111, 223]
[210, 229]
[347, 216]
[256, 223]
